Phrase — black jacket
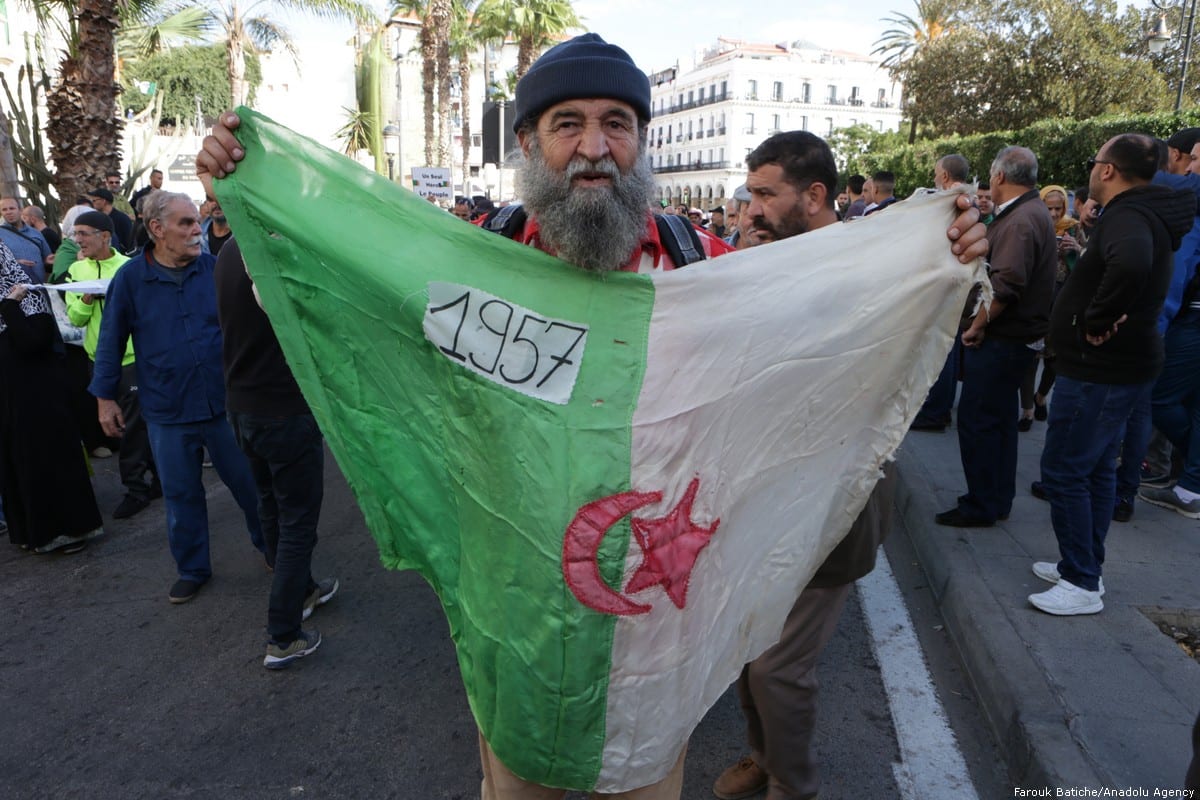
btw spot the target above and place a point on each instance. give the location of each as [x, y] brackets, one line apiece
[1125, 270]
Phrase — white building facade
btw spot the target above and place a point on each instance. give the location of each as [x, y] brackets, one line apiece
[706, 120]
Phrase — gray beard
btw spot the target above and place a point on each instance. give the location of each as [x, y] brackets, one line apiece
[593, 228]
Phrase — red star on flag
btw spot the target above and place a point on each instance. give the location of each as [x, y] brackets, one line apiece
[670, 546]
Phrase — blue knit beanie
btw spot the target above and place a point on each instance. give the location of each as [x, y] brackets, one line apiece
[583, 67]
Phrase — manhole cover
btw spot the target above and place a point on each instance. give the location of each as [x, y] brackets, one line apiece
[1182, 625]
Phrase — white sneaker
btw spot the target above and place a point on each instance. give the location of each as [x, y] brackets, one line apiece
[1048, 571]
[1065, 599]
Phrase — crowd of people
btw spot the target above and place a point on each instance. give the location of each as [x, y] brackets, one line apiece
[182, 362]
[166, 358]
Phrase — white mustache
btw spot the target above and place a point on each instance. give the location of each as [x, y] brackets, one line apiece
[606, 166]
[194, 241]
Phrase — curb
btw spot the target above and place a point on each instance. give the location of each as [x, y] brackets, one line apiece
[1020, 703]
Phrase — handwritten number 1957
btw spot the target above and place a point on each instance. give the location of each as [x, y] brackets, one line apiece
[496, 317]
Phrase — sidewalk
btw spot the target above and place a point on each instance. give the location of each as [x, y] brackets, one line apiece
[1093, 701]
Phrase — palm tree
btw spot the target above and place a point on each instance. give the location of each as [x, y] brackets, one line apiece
[441, 17]
[466, 36]
[83, 126]
[249, 28]
[904, 44]
[428, 47]
[535, 24]
[82, 122]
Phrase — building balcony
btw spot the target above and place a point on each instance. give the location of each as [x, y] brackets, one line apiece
[675, 108]
[695, 166]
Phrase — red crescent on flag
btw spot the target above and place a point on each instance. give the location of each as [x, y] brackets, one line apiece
[581, 544]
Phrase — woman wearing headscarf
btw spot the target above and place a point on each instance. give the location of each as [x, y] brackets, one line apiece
[47, 495]
[1066, 229]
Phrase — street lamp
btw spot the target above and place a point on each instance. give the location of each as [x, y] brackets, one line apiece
[391, 146]
[1158, 39]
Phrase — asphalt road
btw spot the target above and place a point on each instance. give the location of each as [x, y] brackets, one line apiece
[108, 691]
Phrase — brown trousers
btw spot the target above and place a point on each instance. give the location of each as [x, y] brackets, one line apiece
[778, 691]
[500, 784]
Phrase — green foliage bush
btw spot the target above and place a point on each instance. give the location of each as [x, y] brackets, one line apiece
[1062, 146]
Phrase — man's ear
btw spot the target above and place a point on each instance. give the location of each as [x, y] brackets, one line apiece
[814, 198]
[523, 141]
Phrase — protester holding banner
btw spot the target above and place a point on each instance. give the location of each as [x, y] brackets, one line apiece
[47, 494]
[505, 456]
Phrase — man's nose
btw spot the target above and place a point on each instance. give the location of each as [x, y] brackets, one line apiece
[593, 143]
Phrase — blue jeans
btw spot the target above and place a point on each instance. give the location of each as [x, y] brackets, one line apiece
[178, 453]
[1135, 440]
[1079, 469]
[1176, 396]
[988, 408]
[940, 400]
[287, 457]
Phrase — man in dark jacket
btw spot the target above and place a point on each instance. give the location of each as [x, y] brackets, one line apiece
[1104, 330]
[778, 690]
[996, 352]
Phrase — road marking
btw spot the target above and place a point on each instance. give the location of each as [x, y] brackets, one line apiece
[931, 765]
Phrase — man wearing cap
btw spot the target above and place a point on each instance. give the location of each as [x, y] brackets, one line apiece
[716, 223]
[27, 245]
[102, 201]
[112, 180]
[740, 223]
[98, 260]
[581, 116]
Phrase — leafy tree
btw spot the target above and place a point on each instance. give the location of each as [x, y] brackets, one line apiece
[183, 74]
[905, 45]
[1009, 63]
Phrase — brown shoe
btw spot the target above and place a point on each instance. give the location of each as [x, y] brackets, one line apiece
[743, 779]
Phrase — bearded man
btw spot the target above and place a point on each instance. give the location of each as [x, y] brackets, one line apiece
[581, 117]
[582, 113]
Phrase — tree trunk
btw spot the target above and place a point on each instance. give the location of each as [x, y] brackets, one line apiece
[237, 70]
[83, 126]
[464, 78]
[440, 13]
[526, 53]
[429, 86]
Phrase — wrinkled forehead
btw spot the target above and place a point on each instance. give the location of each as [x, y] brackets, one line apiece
[181, 211]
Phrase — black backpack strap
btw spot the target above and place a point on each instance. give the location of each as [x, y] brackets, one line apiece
[507, 221]
[680, 239]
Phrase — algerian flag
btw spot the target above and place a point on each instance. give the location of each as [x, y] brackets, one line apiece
[617, 484]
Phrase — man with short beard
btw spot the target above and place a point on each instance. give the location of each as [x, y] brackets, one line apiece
[214, 231]
[792, 180]
[164, 299]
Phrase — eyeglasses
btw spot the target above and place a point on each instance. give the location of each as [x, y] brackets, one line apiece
[1092, 162]
[79, 232]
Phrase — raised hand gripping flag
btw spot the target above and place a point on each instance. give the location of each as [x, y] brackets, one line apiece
[617, 484]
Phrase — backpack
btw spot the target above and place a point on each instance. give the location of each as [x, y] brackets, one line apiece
[679, 237]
